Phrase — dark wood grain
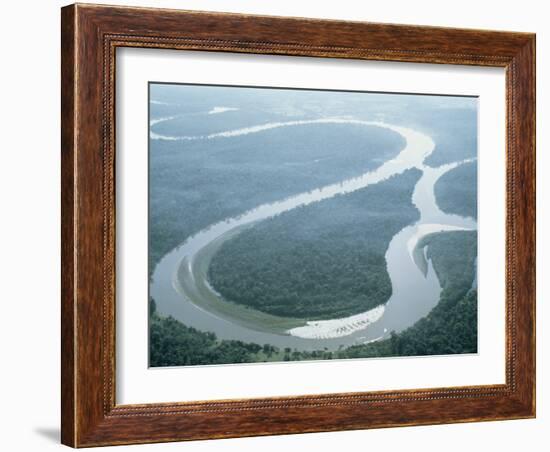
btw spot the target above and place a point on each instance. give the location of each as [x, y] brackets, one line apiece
[67, 226]
[90, 36]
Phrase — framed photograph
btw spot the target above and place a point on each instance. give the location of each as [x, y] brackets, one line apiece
[281, 225]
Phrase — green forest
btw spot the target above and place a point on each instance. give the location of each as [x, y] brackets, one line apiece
[319, 261]
[450, 328]
[171, 343]
[456, 191]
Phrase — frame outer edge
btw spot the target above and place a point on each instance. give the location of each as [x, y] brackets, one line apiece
[68, 230]
[525, 63]
[534, 225]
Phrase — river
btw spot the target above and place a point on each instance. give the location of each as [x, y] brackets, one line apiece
[180, 289]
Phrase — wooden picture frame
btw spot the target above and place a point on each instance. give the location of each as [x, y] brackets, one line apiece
[90, 36]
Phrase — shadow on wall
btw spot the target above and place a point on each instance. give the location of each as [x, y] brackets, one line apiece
[50, 433]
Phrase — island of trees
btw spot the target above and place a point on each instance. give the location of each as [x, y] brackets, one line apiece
[323, 260]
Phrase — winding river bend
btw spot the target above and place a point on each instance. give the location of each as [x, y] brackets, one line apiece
[180, 288]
